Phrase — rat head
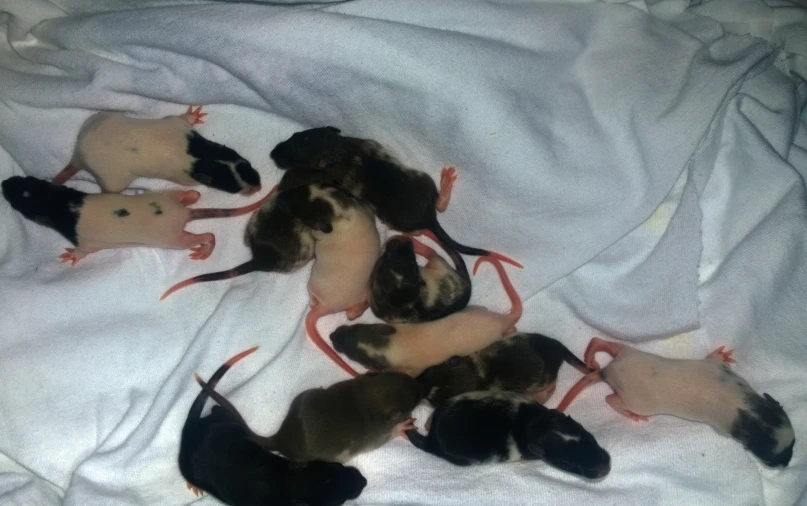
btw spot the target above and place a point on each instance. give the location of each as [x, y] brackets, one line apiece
[322, 483]
[561, 442]
[763, 427]
[455, 376]
[391, 395]
[309, 149]
[57, 207]
[396, 276]
[365, 343]
[220, 167]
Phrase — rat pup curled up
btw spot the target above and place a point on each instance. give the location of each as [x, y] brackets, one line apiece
[335, 424]
[93, 222]
[217, 456]
[116, 149]
[700, 390]
[412, 347]
[488, 427]
[404, 292]
[405, 199]
[521, 363]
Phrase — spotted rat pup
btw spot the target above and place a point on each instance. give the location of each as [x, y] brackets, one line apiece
[521, 363]
[335, 424]
[404, 292]
[700, 390]
[217, 456]
[488, 427]
[117, 149]
[403, 198]
[93, 222]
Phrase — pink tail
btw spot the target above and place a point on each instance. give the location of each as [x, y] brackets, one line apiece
[515, 300]
[205, 213]
[311, 328]
[585, 381]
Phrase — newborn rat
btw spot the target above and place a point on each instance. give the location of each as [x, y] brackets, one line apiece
[93, 222]
[117, 149]
[346, 248]
[279, 243]
[403, 292]
[700, 390]
[217, 456]
[335, 424]
[488, 427]
[403, 198]
[522, 363]
[412, 347]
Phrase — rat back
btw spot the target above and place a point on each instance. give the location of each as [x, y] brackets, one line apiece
[116, 149]
[150, 219]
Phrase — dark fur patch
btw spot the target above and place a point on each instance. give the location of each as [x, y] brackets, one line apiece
[156, 208]
[756, 429]
[121, 213]
[56, 207]
[214, 165]
[348, 338]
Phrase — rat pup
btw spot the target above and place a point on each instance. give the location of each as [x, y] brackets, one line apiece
[93, 222]
[404, 292]
[700, 390]
[403, 198]
[346, 248]
[522, 363]
[486, 427]
[335, 424]
[217, 456]
[279, 242]
[412, 347]
[116, 149]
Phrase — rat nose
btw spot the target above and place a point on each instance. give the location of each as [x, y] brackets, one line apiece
[603, 471]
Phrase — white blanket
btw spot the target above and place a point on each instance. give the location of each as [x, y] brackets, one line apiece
[645, 171]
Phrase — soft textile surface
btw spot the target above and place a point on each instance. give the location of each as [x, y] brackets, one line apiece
[647, 172]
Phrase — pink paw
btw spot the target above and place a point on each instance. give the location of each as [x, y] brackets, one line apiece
[195, 115]
[408, 424]
[202, 251]
[724, 355]
[193, 488]
[72, 256]
[448, 176]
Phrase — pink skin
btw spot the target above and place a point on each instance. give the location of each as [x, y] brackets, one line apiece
[99, 229]
[401, 428]
[194, 116]
[447, 179]
[720, 356]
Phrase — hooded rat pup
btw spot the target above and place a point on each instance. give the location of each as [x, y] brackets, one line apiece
[279, 242]
[412, 347]
[117, 149]
[93, 222]
[700, 390]
[404, 292]
[521, 363]
[217, 456]
[488, 427]
[346, 248]
[403, 198]
[335, 424]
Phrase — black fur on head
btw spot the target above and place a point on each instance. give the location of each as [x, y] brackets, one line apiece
[307, 149]
[561, 442]
[317, 214]
[56, 207]
[322, 483]
[765, 430]
[221, 167]
[395, 281]
[354, 341]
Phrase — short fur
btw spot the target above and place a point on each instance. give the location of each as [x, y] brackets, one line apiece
[403, 198]
[335, 424]
[705, 391]
[522, 363]
[217, 456]
[488, 427]
[403, 292]
[116, 149]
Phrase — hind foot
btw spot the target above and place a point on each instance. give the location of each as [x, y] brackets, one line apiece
[447, 179]
[722, 355]
[356, 311]
[615, 402]
[194, 116]
[188, 197]
[401, 428]
[72, 256]
[193, 488]
[201, 245]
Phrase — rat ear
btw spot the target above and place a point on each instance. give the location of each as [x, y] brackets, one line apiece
[325, 227]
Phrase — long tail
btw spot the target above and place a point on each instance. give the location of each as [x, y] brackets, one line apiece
[569, 357]
[311, 328]
[515, 300]
[443, 238]
[205, 213]
[242, 269]
[65, 174]
[585, 381]
[198, 404]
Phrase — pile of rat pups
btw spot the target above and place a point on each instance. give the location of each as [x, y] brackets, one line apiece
[487, 382]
